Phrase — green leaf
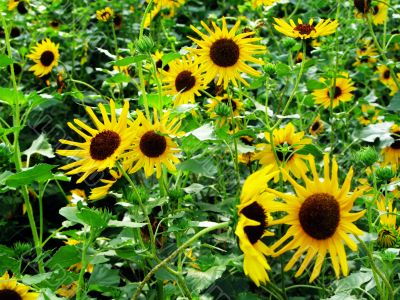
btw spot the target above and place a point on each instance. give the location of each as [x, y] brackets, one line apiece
[130, 60]
[199, 281]
[169, 57]
[155, 101]
[93, 218]
[395, 103]
[9, 96]
[40, 146]
[5, 61]
[311, 149]
[125, 224]
[283, 70]
[118, 78]
[39, 173]
[205, 132]
[104, 275]
[8, 263]
[353, 281]
[70, 214]
[315, 85]
[205, 166]
[35, 279]
[65, 257]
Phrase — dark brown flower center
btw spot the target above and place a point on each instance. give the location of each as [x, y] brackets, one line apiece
[9, 295]
[54, 24]
[375, 9]
[304, 28]
[104, 144]
[153, 144]
[362, 5]
[315, 126]
[246, 140]
[338, 92]
[320, 215]
[117, 20]
[15, 32]
[396, 144]
[47, 58]
[224, 52]
[386, 74]
[226, 101]
[184, 81]
[21, 8]
[255, 212]
[105, 15]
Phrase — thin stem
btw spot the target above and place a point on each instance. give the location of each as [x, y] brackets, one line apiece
[84, 262]
[175, 253]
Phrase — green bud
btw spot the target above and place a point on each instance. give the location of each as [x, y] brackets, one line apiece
[384, 174]
[288, 43]
[145, 44]
[270, 69]
[222, 110]
[368, 156]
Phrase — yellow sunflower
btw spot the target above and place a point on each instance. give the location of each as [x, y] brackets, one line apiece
[366, 54]
[320, 219]
[379, 13]
[104, 15]
[102, 191]
[45, 55]
[184, 80]
[102, 146]
[391, 154]
[223, 53]
[157, 57]
[387, 234]
[369, 114]
[254, 219]
[386, 78]
[317, 126]
[306, 31]
[12, 4]
[258, 3]
[343, 93]
[286, 143]
[11, 289]
[237, 107]
[246, 157]
[152, 146]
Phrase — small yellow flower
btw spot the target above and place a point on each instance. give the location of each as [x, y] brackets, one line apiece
[104, 15]
[306, 31]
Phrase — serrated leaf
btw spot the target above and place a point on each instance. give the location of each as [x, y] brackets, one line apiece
[65, 257]
[92, 218]
[199, 281]
[38, 173]
[40, 146]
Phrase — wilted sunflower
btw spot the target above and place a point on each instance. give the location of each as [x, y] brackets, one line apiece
[152, 145]
[102, 146]
[369, 114]
[10, 289]
[343, 93]
[254, 219]
[391, 154]
[45, 55]
[237, 107]
[102, 191]
[306, 31]
[223, 53]
[104, 15]
[320, 219]
[184, 80]
[317, 126]
[286, 143]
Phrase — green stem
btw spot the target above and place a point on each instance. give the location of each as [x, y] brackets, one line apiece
[84, 262]
[175, 253]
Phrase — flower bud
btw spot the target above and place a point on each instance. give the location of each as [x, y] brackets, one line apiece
[145, 44]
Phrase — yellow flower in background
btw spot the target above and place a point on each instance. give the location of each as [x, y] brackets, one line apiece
[343, 93]
[68, 290]
[103, 145]
[386, 78]
[11, 289]
[306, 31]
[380, 13]
[102, 191]
[12, 4]
[366, 54]
[184, 80]
[160, 5]
[254, 219]
[387, 234]
[369, 114]
[286, 143]
[76, 196]
[258, 3]
[237, 107]
[223, 53]
[104, 15]
[152, 145]
[45, 55]
[391, 153]
[320, 220]
[317, 126]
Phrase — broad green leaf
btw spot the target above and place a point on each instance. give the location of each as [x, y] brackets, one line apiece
[8, 263]
[169, 57]
[311, 149]
[205, 167]
[66, 256]
[93, 218]
[155, 101]
[35, 279]
[5, 61]
[395, 103]
[126, 61]
[70, 214]
[9, 96]
[104, 275]
[40, 146]
[118, 78]
[353, 281]
[283, 70]
[125, 224]
[205, 132]
[38, 173]
[199, 281]
[315, 85]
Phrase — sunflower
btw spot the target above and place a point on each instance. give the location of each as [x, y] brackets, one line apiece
[157, 58]
[117, 20]
[224, 53]
[258, 3]
[12, 4]
[386, 78]
[102, 191]
[343, 93]
[299, 57]
[184, 80]
[254, 219]
[102, 146]
[379, 13]
[286, 143]
[366, 54]
[391, 154]
[76, 196]
[104, 15]
[387, 234]
[215, 103]
[317, 126]
[320, 219]
[45, 55]
[11, 289]
[306, 31]
[152, 145]
[246, 157]
[369, 114]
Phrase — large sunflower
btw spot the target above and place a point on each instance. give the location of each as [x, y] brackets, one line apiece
[286, 143]
[306, 31]
[391, 153]
[11, 289]
[343, 93]
[183, 80]
[152, 145]
[320, 219]
[45, 55]
[223, 53]
[254, 218]
[102, 146]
